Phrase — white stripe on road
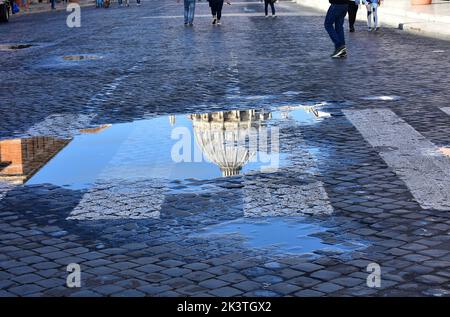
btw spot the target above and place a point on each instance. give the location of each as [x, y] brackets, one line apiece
[256, 14]
[413, 158]
[446, 110]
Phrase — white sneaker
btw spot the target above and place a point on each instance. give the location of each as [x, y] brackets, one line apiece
[274, 16]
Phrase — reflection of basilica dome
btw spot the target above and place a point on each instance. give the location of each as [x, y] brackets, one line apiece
[223, 137]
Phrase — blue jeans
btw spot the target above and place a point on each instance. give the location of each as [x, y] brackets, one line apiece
[334, 23]
[189, 10]
[53, 2]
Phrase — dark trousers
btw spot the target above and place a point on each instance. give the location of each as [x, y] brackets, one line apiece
[352, 11]
[266, 6]
[334, 23]
[216, 8]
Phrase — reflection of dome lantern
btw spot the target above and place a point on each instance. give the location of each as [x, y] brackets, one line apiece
[222, 137]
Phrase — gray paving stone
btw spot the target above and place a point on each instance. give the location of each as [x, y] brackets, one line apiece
[225, 292]
[327, 287]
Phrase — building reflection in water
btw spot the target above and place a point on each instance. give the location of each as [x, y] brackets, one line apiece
[20, 159]
[229, 139]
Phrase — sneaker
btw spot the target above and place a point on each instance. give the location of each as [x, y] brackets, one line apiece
[369, 29]
[214, 21]
[274, 16]
[191, 24]
[218, 22]
[377, 28]
[339, 52]
[266, 16]
[352, 30]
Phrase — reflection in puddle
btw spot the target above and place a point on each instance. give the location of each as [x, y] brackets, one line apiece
[281, 236]
[21, 158]
[382, 98]
[196, 146]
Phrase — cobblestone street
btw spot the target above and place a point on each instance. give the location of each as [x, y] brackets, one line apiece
[364, 155]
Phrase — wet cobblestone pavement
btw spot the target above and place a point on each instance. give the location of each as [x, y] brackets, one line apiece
[341, 199]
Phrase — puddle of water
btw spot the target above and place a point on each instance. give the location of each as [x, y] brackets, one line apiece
[80, 57]
[382, 98]
[182, 147]
[14, 47]
[280, 236]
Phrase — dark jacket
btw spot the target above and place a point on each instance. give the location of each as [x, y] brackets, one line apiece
[339, 1]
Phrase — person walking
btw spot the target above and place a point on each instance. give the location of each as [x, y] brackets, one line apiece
[189, 12]
[334, 25]
[352, 12]
[216, 10]
[372, 13]
[272, 6]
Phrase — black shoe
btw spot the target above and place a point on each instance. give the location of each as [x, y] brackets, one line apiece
[339, 52]
[352, 30]
[214, 20]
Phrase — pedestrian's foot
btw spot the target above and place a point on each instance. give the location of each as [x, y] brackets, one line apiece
[185, 23]
[369, 29]
[352, 30]
[267, 16]
[191, 24]
[274, 16]
[218, 22]
[377, 28]
[214, 20]
[340, 52]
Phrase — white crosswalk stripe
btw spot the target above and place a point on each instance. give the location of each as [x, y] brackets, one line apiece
[418, 162]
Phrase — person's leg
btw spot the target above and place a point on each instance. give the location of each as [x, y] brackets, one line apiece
[352, 12]
[191, 11]
[369, 15]
[375, 15]
[329, 24]
[339, 24]
[219, 9]
[272, 6]
[186, 11]
[266, 7]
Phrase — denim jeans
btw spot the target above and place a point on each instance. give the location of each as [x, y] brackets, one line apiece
[334, 23]
[189, 10]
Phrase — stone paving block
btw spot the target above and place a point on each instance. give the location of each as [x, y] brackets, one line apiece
[176, 271]
[327, 287]
[225, 292]
[27, 278]
[196, 266]
[303, 281]
[232, 277]
[213, 283]
[149, 268]
[25, 289]
[284, 288]
[309, 293]
[198, 276]
[325, 275]
[308, 267]
[129, 293]
[247, 286]
[107, 290]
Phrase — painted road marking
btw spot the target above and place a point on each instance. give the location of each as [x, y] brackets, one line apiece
[413, 158]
